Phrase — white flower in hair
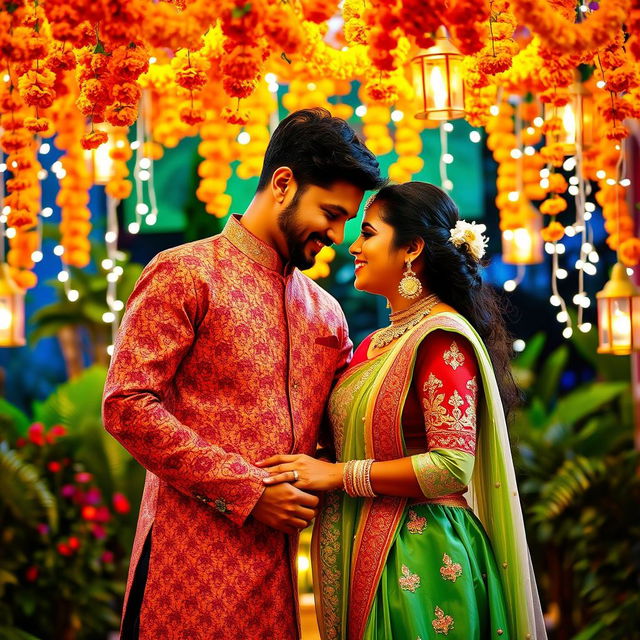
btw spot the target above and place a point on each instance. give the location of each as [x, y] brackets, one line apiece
[471, 234]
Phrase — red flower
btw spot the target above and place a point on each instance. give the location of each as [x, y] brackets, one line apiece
[89, 512]
[74, 543]
[31, 574]
[99, 531]
[120, 503]
[63, 549]
[20, 442]
[83, 477]
[58, 430]
[54, 466]
[36, 434]
[102, 514]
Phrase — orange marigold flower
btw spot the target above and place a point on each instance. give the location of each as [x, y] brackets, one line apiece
[191, 115]
[14, 140]
[37, 125]
[553, 232]
[21, 219]
[94, 139]
[119, 189]
[239, 88]
[553, 206]
[629, 252]
[191, 79]
[41, 97]
[621, 79]
[619, 132]
[319, 10]
[95, 90]
[557, 183]
[127, 92]
[121, 115]
[235, 116]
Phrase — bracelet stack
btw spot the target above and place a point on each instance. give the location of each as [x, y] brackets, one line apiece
[356, 479]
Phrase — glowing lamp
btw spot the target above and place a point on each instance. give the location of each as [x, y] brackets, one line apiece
[523, 245]
[100, 161]
[618, 314]
[438, 80]
[11, 310]
[577, 118]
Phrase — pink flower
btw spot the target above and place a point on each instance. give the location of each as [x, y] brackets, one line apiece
[107, 557]
[99, 531]
[68, 491]
[83, 477]
[120, 503]
[93, 496]
[58, 430]
[42, 529]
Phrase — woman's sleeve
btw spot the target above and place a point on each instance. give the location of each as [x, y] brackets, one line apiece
[446, 381]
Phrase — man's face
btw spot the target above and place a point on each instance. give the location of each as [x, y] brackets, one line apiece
[315, 217]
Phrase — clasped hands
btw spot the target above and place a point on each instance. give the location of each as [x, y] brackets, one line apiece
[283, 505]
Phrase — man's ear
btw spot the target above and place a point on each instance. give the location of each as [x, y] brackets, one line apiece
[281, 181]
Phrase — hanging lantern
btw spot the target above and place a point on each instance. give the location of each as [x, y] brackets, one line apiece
[619, 314]
[438, 80]
[11, 310]
[100, 161]
[523, 245]
[577, 117]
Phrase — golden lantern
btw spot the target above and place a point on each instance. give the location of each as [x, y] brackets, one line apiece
[438, 80]
[523, 245]
[577, 117]
[99, 160]
[619, 314]
[11, 310]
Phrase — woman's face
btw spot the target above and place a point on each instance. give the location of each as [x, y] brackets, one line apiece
[379, 265]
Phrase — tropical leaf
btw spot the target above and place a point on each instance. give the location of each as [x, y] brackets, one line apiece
[74, 403]
[13, 633]
[546, 387]
[577, 405]
[24, 493]
[17, 421]
[528, 358]
[571, 480]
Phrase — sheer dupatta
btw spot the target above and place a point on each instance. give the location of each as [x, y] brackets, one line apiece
[352, 537]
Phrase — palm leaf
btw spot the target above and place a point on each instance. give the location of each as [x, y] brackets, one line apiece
[24, 493]
[571, 480]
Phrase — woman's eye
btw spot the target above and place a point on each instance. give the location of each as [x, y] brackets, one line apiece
[365, 234]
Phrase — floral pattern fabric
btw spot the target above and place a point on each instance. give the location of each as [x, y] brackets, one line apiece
[223, 358]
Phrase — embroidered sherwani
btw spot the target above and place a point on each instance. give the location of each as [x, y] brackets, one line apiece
[224, 357]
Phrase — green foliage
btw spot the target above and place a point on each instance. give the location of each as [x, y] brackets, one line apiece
[67, 573]
[578, 476]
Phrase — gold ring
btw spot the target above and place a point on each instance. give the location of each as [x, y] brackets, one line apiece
[296, 476]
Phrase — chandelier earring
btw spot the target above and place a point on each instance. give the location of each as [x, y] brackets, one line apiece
[410, 286]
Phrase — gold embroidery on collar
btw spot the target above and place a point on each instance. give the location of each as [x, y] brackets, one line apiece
[453, 357]
[250, 245]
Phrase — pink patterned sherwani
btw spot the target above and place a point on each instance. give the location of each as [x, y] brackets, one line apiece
[224, 357]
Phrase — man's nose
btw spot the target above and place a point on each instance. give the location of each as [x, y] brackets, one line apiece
[336, 234]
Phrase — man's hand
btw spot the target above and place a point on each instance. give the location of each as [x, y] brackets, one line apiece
[286, 508]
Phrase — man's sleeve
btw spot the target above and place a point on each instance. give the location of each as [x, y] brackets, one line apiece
[157, 331]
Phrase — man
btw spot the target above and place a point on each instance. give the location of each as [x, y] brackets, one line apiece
[226, 356]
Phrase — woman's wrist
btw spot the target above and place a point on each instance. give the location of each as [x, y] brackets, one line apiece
[338, 475]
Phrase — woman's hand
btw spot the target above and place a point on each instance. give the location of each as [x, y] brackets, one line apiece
[304, 472]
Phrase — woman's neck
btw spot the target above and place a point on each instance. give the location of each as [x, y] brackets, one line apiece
[399, 303]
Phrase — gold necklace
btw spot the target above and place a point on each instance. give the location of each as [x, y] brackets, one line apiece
[402, 321]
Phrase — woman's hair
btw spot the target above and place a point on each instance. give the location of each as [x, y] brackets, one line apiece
[422, 210]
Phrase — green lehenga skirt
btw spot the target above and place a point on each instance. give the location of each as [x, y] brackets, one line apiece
[440, 579]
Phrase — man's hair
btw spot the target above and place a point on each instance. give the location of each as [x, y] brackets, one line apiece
[320, 150]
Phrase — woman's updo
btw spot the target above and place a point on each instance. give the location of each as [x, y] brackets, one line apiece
[422, 210]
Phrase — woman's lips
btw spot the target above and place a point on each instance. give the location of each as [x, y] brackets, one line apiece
[359, 266]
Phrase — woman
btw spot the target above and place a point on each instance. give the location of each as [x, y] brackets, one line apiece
[419, 424]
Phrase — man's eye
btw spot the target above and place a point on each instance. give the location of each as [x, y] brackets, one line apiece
[330, 216]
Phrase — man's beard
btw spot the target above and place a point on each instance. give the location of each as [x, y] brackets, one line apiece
[294, 236]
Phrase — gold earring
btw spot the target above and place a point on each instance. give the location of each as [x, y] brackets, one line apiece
[410, 287]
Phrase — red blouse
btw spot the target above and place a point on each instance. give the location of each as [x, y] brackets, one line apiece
[443, 397]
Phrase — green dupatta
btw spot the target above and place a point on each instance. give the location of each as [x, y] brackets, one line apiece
[352, 537]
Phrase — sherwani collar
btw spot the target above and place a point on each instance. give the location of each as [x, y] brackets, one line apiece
[254, 248]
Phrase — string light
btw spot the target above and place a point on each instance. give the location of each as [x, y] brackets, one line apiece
[361, 111]
[475, 136]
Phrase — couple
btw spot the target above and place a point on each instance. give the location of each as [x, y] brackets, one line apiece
[231, 368]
